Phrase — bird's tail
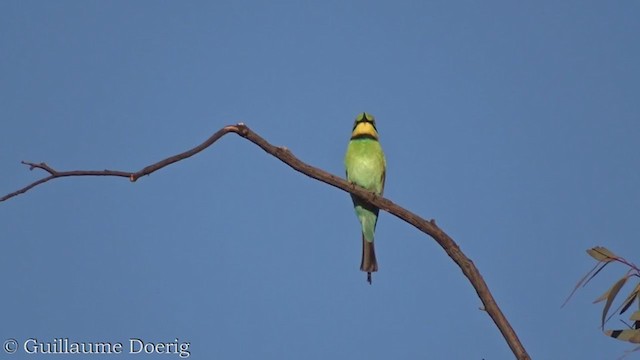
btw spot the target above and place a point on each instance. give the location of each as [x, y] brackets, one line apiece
[369, 263]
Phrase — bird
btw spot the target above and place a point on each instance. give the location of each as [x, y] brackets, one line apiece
[366, 167]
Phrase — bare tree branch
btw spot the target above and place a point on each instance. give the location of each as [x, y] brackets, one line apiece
[133, 176]
[428, 227]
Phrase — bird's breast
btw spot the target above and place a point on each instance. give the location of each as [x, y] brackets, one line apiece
[365, 164]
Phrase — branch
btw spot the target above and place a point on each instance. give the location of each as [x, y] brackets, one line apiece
[133, 176]
[428, 227]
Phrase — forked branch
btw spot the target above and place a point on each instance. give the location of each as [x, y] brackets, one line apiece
[428, 227]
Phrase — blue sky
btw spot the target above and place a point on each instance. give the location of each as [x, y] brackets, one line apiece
[514, 125]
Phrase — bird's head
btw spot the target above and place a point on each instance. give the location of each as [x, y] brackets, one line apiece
[365, 126]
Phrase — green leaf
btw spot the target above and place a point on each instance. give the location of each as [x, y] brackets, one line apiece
[602, 254]
[610, 295]
[631, 335]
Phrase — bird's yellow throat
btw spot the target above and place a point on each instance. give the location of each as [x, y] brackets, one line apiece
[364, 128]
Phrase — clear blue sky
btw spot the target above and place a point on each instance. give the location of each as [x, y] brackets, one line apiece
[514, 125]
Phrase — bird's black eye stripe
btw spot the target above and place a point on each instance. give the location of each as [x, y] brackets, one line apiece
[365, 120]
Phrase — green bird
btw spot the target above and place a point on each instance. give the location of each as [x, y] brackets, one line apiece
[366, 165]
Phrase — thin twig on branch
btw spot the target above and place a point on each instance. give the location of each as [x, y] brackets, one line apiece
[428, 227]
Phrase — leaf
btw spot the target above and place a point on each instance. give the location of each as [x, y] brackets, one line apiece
[610, 295]
[632, 336]
[596, 273]
[635, 316]
[605, 296]
[584, 281]
[602, 254]
[630, 299]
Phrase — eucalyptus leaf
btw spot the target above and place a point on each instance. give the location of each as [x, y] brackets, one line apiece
[602, 254]
[610, 295]
[630, 335]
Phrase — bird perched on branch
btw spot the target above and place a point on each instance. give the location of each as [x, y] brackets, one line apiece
[366, 165]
